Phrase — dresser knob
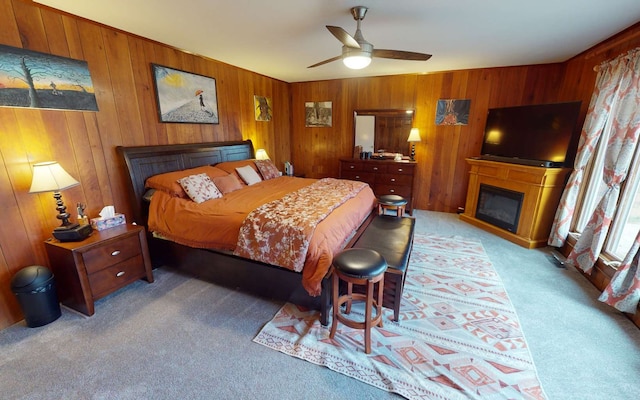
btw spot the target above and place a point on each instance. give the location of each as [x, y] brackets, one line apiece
[399, 169]
[352, 166]
[393, 179]
[392, 191]
[119, 274]
[375, 168]
[115, 253]
[357, 176]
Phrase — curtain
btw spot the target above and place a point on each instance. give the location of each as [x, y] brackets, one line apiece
[624, 121]
[594, 124]
[623, 292]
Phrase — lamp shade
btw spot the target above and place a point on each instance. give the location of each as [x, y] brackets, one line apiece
[414, 135]
[261, 154]
[50, 177]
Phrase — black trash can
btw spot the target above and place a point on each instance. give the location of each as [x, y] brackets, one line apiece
[35, 289]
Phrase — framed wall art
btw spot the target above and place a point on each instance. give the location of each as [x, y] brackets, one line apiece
[318, 114]
[37, 80]
[184, 96]
[452, 112]
[262, 108]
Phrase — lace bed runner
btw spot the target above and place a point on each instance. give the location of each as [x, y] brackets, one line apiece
[279, 232]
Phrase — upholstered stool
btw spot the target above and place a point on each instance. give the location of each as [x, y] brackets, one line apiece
[392, 202]
[360, 267]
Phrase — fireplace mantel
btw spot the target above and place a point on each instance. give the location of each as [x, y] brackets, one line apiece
[541, 187]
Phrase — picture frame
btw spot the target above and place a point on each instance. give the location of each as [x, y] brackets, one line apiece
[318, 114]
[185, 97]
[453, 111]
[30, 79]
[263, 108]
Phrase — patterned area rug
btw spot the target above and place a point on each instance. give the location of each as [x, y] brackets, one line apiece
[458, 336]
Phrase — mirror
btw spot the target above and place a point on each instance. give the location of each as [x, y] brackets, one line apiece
[383, 130]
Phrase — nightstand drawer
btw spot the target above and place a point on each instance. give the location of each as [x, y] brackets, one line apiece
[116, 276]
[110, 253]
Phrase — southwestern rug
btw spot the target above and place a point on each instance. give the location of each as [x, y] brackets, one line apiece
[458, 336]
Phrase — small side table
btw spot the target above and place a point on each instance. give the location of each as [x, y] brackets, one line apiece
[99, 265]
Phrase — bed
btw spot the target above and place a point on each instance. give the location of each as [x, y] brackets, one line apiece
[216, 262]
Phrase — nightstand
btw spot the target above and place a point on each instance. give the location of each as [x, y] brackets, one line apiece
[99, 265]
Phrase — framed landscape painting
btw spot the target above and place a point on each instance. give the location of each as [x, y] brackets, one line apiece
[37, 80]
[184, 96]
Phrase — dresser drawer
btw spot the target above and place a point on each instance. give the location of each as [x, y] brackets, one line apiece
[367, 177]
[346, 166]
[404, 180]
[116, 276]
[400, 169]
[375, 168]
[110, 253]
[404, 191]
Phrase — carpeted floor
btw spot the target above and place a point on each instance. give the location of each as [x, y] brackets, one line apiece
[181, 338]
[457, 336]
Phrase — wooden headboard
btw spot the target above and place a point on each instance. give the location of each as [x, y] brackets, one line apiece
[145, 161]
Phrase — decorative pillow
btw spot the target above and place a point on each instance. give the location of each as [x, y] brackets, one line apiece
[248, 175]
[168, 182]
[200, 188]
[227, 183]
[267, 169]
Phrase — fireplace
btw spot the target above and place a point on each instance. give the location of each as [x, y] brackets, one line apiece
[499, 207]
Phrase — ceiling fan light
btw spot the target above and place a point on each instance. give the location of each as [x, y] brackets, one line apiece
[356, 62]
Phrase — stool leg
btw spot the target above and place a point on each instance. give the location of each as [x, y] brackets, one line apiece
[334, 313]
[380, 298]
[347, 309]
[367, 318]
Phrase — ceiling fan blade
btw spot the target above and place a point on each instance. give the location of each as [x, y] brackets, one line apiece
[325, 61]
[400, 55]
[343, 36]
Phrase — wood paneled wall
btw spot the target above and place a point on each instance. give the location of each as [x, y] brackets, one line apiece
[442, 171]
[84, 142]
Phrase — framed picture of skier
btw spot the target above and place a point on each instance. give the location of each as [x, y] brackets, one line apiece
[184, 96]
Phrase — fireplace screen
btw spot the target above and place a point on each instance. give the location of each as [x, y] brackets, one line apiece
[499, 207]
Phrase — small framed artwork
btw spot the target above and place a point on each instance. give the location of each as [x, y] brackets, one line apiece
[452, 112]
[318, 114]
[184, 96]
[262, 108]
[31, 79]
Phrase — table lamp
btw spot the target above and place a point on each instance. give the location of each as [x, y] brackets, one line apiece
[51, 177]
[261, 154]
[414, 136]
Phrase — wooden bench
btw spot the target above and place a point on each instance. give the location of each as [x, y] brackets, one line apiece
[392, 237]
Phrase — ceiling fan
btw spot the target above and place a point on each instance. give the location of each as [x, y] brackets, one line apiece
[357, 52]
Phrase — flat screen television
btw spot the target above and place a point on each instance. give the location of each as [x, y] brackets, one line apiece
[541, 135]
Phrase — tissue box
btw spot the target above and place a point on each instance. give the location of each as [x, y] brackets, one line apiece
[101, 224]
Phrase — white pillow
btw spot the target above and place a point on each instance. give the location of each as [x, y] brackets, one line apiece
[248, 175]
[200, 187]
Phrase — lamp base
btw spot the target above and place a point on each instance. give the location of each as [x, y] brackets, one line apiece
[72, 233]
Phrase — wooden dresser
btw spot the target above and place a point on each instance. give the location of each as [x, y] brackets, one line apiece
[384, 176]
[106, 261]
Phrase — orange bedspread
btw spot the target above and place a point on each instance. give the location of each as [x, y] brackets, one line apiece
[216, 223]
